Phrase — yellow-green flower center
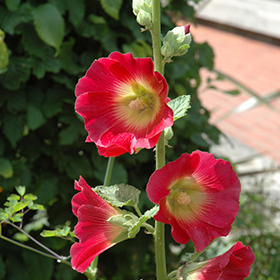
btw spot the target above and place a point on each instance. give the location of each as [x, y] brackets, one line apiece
[138, 105]
[185, 194]
[142, 102]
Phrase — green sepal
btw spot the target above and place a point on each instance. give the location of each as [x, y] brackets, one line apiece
[186, 271]
[180, 106]
[126, 221]
[147, 215]
[119, 195]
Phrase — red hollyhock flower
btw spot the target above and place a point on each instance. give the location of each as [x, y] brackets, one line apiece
[123, 102]
[96, 234]
[232, 265]
[198, 196]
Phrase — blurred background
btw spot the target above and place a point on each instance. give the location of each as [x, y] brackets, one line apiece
[231, 72]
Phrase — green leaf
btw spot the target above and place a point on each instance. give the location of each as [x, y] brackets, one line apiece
[21, 237]
[18, 72]
[6, 168]
[180, 106]
[96, 19]
[119, 195]
[13, 196]
[9, 20]
[147, 215]
[30, 196]
[18, 206]
[69, 135]
[35, 118]
[49, 25]
[13, 128]
[17, 218]
[76, 11]
[48, 233]
[38, 265]
[21, 190]
[112, 7]
[36, 207]
[4, 56]
[64, 232]
[4, 215]
[12, 5]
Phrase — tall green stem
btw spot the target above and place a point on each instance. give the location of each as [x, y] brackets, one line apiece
[160, 147]
[109, 171]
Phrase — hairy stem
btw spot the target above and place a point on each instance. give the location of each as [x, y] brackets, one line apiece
[160, 147]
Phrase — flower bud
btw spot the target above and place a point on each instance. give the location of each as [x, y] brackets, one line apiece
[143, 11]
[176, 42]
[144, 18]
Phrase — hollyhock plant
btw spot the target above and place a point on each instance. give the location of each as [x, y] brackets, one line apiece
[94, 229]
[198, 196]
[124, 104]
[232, 265]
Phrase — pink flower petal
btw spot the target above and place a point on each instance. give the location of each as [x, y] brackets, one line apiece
[198, 196]
[94, 232]
[124, 104]
[232, 265]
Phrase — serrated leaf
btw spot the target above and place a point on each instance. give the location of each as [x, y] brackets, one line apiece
[112, 7]
[180, 106]
[119, 195]
[35, 118]
[147, 215]
[49, 25]
[6, 168]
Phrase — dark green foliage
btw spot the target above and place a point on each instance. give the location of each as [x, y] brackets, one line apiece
[42, 140]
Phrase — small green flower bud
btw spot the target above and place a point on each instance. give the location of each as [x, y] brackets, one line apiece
[168, 134]
[178, 39]
[167, 50]
[143, 11]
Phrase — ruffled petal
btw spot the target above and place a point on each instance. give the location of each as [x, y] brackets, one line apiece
[198, 196]
[123, 103]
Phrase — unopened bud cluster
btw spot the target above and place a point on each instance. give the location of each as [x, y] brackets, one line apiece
[176, 42]
[143, 11]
